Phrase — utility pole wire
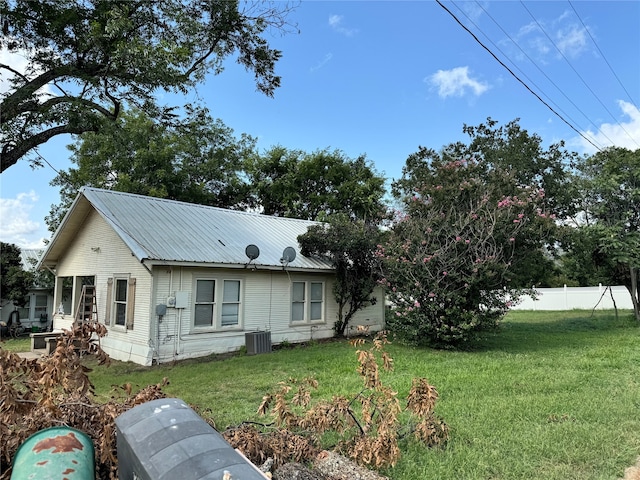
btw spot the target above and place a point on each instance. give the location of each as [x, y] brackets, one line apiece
[516, 77]
[577, 73]
[603, 55]
[539, 69]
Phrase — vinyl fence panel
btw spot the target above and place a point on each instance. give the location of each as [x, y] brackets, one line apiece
[578, 298]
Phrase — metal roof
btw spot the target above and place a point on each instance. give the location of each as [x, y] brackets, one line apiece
[168, 231]
[30, 257]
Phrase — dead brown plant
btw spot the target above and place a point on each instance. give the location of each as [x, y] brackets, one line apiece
[36, 394]
[367, 425]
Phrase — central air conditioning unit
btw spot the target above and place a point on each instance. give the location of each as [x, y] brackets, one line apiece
[257, 342]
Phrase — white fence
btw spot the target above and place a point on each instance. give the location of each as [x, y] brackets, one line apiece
[580, 298]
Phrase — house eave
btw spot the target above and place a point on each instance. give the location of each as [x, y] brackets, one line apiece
[234, 266]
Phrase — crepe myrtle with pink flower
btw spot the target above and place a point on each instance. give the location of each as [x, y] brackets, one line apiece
[452, 246]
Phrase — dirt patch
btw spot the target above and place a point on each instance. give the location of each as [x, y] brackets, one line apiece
[633, 473]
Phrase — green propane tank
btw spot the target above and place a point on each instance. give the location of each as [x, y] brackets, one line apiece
[55, 453]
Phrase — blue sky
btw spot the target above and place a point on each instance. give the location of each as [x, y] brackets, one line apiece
[382, 78]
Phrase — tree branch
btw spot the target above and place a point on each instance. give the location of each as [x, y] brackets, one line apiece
[9, 108]
[11, 155]
[14, 71]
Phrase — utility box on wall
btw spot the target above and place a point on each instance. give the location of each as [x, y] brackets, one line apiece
[166, 440]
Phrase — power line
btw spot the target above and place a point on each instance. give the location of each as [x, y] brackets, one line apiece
[602, 55]
[576, 72]
[515, 76]
[35, 150]
[539, 69]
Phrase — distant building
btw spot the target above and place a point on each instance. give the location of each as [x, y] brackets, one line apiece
[37, 312]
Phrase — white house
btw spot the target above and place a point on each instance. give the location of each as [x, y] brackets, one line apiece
[39, 306]
[174, 280]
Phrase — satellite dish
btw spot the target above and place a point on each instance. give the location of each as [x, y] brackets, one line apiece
[252, 252]
[288, 256]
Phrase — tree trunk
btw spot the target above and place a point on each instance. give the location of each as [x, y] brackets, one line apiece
[340, 325]
[633, 290]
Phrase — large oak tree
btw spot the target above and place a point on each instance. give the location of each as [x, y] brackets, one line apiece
[194, 159]
[87, 59]
[313, 186]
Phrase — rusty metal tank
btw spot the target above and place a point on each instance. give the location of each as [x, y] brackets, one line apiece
[55, 453]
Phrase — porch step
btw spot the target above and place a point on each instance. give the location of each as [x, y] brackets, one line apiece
[33, 354]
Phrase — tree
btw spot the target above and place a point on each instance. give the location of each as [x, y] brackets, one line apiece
[451, 248]
[351, 247]
[611, 226]
[511, 149]
[194, 159]
[87, 59]
[15, 280]
[292, 183]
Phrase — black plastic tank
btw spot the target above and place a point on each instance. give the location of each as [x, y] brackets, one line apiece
[166, 440]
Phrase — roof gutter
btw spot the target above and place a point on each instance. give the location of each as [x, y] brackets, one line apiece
[239, 266]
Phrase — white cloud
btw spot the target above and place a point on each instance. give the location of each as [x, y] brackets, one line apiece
[335, 22]
[621, 134]
[18, 62]
[546, 40]
[456, 83]
[15, 225]
[572, 40]
[322, 62]
[475, 11]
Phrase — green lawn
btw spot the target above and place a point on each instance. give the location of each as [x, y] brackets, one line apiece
[551, 395]
[21, 344]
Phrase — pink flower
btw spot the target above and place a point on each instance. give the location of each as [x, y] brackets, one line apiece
[458, 239]
[431, 294]
[444, 274]
[512, 239]
[467, 241]
[416, 303]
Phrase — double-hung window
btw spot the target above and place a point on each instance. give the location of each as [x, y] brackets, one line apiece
[205, 308]
[120, 301]
[217, 304]
[121, 293]
[307, 302]
[230, 315]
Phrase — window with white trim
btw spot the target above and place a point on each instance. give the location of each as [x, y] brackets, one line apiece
[120, 286]
[41, 306]
[307, 302]
[230, 314]
[218, 303]
[205, 307]
[121, 299]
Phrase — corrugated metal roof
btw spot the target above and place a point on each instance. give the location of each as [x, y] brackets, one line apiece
[169, 231]
[30, 257]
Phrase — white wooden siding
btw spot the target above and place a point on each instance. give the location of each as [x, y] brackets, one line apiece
[266, 305]
[98, 251]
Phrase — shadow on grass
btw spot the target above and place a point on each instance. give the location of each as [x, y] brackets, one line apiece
[522, 332]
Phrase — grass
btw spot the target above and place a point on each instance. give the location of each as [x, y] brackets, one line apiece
[20, 344]
[551, 395]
